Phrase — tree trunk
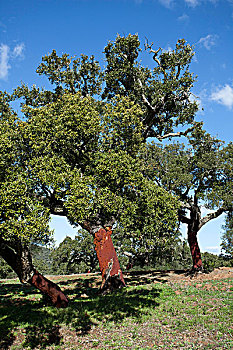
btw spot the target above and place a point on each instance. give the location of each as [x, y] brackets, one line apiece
[193, 228]
[112, 277]
[50, 289]
[195, 250]
[19, 258]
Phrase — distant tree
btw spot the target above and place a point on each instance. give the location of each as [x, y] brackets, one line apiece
[148, 248]
[41, 258]
[200, 174]
[75, 255]
[212, 261]
[5, 270]
[227, 236]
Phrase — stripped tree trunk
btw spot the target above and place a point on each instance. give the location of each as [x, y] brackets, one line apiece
[193, 228]
[50, 289]
[112, 277]
[19, 258]
[195, 251]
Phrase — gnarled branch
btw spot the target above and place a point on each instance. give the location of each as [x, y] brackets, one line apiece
[176, 134]
[211, 216]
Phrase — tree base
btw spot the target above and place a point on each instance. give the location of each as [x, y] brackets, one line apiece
[196, 270]
[111, 284]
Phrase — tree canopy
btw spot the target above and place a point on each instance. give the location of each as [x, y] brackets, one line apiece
[80, 147]
[21, 215]
[84, 136]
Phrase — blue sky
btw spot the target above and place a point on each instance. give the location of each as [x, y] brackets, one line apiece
[31, 29]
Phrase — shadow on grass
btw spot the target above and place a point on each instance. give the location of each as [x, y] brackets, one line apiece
[36, 323]
[150, 276]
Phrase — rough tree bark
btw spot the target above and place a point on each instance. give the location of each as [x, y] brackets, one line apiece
[193, 228]
[195, 251]
[112, 277]
[19, 258]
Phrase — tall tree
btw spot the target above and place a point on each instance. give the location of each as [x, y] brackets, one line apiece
[85, 135]
[200, 174]
[100, 180]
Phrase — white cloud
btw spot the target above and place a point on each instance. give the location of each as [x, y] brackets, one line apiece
[214, 250]
[19, 50]
[208, 41]
[183, 18]
[223, 96]
[166, 3]
[4, 61]
[192, 3]
[7, 55]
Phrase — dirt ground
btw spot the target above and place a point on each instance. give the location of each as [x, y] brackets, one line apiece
[179, 276]
[217, 274]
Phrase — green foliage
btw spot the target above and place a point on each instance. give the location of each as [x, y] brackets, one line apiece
[196, 167]
[199, 173]
[80, 147]
[227, 236]
[21, 216]
[82, 74]
[212, 261]
[91, 160]
[162, 92]
[74, 256]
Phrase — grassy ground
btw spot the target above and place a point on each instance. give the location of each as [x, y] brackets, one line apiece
[151, 313]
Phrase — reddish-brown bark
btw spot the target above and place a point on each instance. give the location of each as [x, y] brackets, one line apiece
[112, 276]
[50, 289]
[18, 256]
[195, 250]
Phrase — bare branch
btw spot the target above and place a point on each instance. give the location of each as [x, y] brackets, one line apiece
[178, 71]
[176, 134]
[145, 100]
[58, 209]
[184, 195]
[56, 206]
[147, 46]
[187, 204]
[211, 216]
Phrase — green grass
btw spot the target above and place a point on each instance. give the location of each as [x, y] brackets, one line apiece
[145, 315]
